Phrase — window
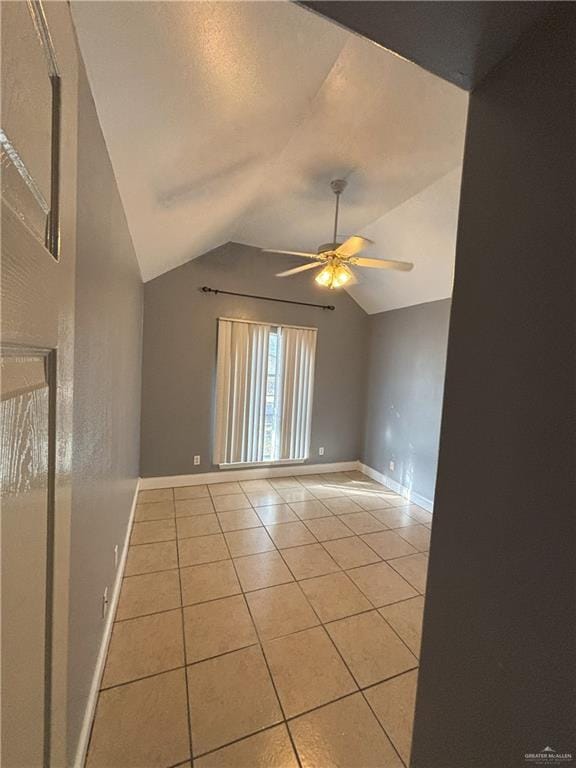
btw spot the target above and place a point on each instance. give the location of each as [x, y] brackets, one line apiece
[264, 386]
[271, 420]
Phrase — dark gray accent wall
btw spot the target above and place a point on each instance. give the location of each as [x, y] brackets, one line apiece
[180, 325]
[496, 678]
[406, 365]
[497, 665]
[107, 372]
[460, 42]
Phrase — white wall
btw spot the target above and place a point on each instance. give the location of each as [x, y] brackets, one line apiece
[421, 230]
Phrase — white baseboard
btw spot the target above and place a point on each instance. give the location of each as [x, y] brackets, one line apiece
[260, 473]
[101, 660]
[402, 490]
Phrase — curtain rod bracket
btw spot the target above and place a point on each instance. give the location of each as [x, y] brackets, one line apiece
[206, 289]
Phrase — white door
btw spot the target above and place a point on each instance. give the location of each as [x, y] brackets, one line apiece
[38, 122]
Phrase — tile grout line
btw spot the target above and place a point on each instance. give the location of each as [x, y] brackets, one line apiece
[287, 720]
[404, 643]
[346, 570]
[153, 613]
[188, 713]
[259, 644]
[279, 551]
[180, 765]
[248, 736]
[359, 688]
[261, 647]
[381, 726]
[180, 666]
[149, 573]
[340, 517]
[331, 639]
[420, 592]
[155, 519]
[259, 589]
[143, 677]
[356, 682]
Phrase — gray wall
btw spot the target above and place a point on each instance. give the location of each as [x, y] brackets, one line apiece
[496, 677]
[406, 364]
[106, 400]
[179, 355]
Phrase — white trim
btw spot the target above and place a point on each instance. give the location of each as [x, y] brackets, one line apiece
[90, 710]
[402, 490]
[274, 470]
[261, 473]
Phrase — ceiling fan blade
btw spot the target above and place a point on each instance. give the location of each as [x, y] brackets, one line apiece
[353, 280]
[352, 246]
[293, 253]
[295, 271]
[404, 266]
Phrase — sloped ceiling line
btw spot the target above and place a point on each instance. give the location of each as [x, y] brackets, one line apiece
[274, 161]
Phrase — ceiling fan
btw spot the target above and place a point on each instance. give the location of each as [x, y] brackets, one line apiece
[337, 258]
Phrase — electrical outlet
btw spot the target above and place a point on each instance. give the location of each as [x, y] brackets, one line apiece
[196, 460]
[391, 465]
[115, 555]
[321, 451]
[104, 602]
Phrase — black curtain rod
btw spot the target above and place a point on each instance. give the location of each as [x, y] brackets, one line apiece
[205, 289]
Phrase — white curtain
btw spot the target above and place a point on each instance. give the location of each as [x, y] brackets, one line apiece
[297, 386]
[240, 392]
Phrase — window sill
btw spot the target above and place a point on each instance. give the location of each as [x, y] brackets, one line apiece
[263, 464]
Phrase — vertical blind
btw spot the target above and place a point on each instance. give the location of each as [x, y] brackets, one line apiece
[264, 388]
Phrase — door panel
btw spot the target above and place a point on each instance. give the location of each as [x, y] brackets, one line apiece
[37, 335]
[29, 74]
[25, 498]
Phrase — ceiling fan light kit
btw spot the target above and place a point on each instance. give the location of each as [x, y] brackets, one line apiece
[336, 258]
[334, 275]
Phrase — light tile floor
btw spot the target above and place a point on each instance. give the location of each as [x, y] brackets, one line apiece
[266, 624]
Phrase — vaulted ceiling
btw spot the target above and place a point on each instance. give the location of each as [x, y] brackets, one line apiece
[227, 121]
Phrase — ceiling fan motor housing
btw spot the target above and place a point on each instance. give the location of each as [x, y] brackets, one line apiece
[338, 186]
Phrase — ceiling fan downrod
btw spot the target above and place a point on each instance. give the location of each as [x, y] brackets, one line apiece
[338, 186]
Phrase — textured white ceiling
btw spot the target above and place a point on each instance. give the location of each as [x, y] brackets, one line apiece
[227, 120]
